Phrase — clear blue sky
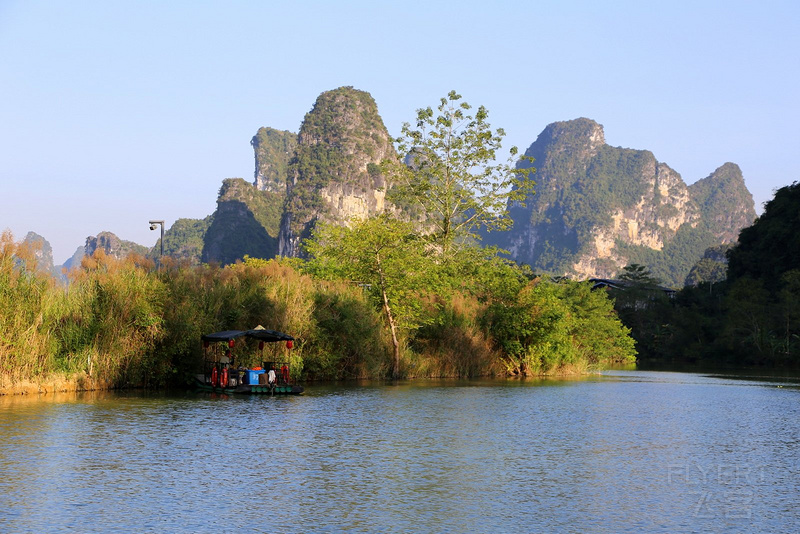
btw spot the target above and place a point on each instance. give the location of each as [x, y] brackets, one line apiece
[116, 112]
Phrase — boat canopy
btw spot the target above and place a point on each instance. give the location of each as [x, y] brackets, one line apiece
[227, 335]
[261, 334]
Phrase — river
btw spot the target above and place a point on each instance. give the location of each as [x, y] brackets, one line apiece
[621, 451]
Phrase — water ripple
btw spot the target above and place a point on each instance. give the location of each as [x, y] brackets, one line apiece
[622, 452]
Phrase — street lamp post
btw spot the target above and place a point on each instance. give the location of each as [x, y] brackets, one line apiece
[153, 226]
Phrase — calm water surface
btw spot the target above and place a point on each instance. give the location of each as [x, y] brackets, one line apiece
[625, 451]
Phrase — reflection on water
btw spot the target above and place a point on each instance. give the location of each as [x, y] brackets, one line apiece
[621, 451]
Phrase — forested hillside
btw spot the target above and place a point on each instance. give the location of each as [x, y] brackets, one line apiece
[752, 317]
[598, 208]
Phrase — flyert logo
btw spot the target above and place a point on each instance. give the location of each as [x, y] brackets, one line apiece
[720, 490]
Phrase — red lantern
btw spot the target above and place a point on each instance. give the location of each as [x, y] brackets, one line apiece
[231, 343]
[260, 345]
[205, 344]
[289, 344]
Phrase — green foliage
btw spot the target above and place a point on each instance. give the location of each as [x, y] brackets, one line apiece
[184, 240]
[381, 254]
[114, 321]
[557, 326]
[273, 150]
[349, 342]
[638, 275]
[706, 270]
[246, 223]
[125, 323]
[642, 306]
[385, 257]
[771, 246]
[749, 319]
[339, 136]
[25, 293]
[480, 273]
[712, 267]
[672, 263]
[451, 175]
[454, 342]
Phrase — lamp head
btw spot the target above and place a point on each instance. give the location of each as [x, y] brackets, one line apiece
[153, 226]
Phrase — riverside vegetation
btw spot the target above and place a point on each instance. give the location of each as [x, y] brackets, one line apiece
[749, 318]
[127, 323]
[408, 293]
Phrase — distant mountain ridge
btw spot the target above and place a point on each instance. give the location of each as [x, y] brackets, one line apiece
[43, 253]
[598, 208]
[108, 242]
[329, 171]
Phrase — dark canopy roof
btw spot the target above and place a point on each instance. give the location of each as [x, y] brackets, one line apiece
[260, 334]
[227, 335]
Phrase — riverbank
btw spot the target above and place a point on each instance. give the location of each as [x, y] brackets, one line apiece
[64, 384]
[54, 384]
[126, 324]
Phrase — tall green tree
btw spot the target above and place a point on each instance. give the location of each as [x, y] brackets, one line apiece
[446, 168]
[638, 275]
[771, 246]
[643, 307]
[386, 257]
[789, 299]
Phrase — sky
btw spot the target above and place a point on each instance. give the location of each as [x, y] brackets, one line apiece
[115, 113]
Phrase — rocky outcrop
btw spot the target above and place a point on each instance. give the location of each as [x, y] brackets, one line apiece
[725, 202]
[245, 223]
[75, 259]
[43, 253]
[112, 246]
[598, 208]
[273, 149]
[334, 174]
[184, 240]
[711, 268]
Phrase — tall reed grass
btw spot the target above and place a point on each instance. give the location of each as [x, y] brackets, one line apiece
[26, 299]
[128, 323]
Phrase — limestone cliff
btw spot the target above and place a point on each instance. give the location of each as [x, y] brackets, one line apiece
[273, 149]
[334, 174]
[43, 253]
[112, 246]
[711, 268]
[725, 201]
[75, 259]
[598, 208]
[245, 223]
[247, 217]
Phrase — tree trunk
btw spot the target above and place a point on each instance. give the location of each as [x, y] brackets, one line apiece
[395, 343]
[390, 319]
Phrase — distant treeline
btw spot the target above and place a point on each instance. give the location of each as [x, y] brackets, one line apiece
[132, 323]
[750, 319]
